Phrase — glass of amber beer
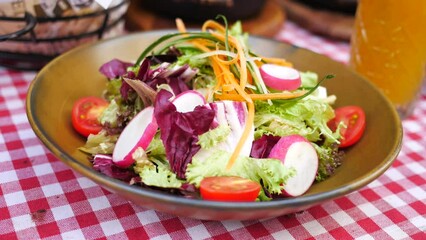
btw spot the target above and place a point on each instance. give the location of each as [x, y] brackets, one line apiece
[388, 47]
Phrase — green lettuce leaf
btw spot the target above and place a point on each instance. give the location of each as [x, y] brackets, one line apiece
[309, 79]
[236, 30]
[153, 168]
[110, 114]
[205, 75]
[113, 88]
[101, 143]
[271, 173]
[159, 177]
[187, 57]
[156, 148]
[306, 117]
[330, 158]
[211, 138]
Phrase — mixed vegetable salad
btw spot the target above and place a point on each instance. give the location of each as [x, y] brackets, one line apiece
[201, 115]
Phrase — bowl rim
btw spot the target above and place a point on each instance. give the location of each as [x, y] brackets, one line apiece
[112, 184]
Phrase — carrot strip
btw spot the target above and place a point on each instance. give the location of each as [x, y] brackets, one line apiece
[249, 79]
[244, 136]
[278, 61]
[180, 25]
[240, 52]
[228, 87]
[229, 62]
[269, 96]
[211, 24]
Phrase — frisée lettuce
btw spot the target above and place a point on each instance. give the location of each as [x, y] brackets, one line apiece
[271, 172]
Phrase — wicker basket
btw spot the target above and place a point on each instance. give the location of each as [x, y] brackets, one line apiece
[40, 39]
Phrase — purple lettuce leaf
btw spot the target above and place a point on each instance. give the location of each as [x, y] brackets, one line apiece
[146, 93]
[104, 164]
[125, 87]
[114, 68]
[262, 146]
[187, 190]
[179, 131]
[176, 78]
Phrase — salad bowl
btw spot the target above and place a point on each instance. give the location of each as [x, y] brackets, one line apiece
[75, 74]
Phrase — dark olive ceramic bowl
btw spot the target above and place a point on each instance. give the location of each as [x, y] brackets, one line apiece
[75, 74]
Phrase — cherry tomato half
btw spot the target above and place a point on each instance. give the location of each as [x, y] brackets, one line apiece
[354, 118]
[230, 189]
[85, 113]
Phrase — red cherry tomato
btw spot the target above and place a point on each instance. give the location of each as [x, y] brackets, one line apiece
[354, 118]
[230, 189]
[85, 113]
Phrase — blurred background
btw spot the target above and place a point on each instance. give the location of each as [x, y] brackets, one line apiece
[260, 17]
[34, 32]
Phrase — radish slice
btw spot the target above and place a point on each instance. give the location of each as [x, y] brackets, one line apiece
[188, 100]
[280, 77]
[138, 133]
[296, 152]
[234, 115]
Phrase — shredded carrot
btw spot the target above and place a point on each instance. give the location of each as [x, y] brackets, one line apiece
[229, 62]
[249, 79]
[227, 86]
[180, 25]
[268, 96]
[241, 54]
[278, 61]
[210, 24]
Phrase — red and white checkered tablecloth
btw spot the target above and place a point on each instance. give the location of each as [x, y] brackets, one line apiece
[40, 197]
